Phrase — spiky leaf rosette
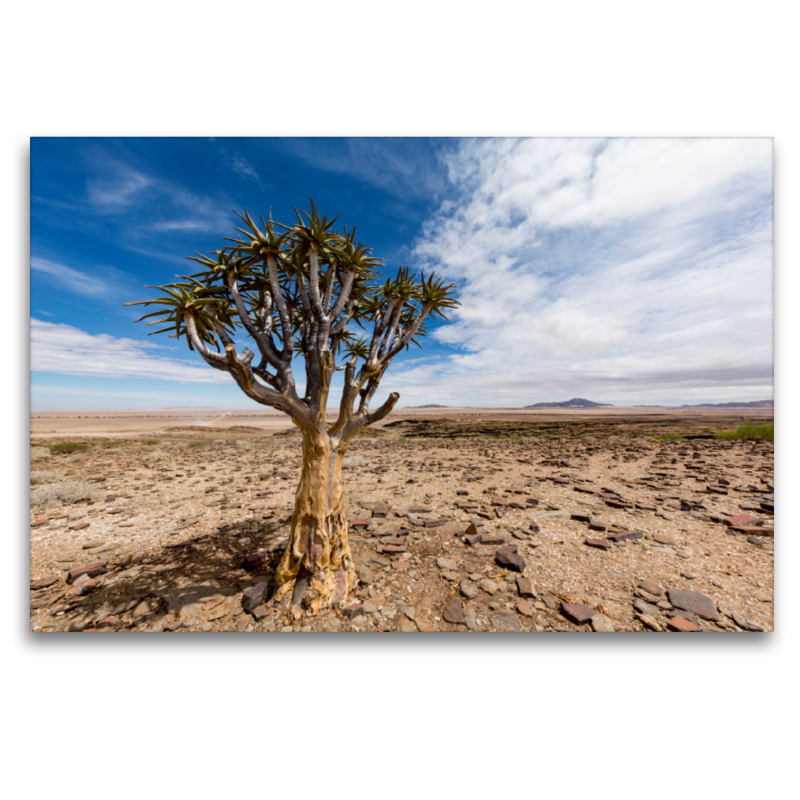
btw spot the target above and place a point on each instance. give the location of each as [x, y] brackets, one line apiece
[294, 289]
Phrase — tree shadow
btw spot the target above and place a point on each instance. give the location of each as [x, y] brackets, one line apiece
[179, 578]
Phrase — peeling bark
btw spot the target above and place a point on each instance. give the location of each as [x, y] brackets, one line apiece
[316, 571]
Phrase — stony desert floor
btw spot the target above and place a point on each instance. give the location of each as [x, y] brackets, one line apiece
[501, 521]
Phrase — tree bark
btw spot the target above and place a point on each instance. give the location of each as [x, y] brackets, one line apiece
[316, 571]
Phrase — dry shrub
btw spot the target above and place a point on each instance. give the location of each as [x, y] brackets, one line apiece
[62, 491]
[354, 461]
[39, 477]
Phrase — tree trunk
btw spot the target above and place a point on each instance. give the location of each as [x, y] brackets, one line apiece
[316, 571]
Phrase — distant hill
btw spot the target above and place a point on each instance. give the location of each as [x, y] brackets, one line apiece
[576, 402]
[429, 405]
[752, 404]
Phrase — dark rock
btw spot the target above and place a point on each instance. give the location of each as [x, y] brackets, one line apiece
[581, 517]
[618, 504]
[254, 597]
[508, 558]
[380, 511]
[453, 612]
[359, 523]
[695, 602]
[79, 526]
[434, 523]
[252, 561]
[354, 609]
[754, 540]
[493, 538]
[472, 539]
[577, 613]
[260, 612]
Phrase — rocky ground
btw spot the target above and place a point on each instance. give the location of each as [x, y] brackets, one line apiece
[571, 525]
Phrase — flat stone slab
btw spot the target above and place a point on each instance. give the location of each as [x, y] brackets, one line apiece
[506, 621]
[681, 625]
[741, 519]
[91, 571]
[453, 612]
[600, 544]
[577, 613]
[41, 583]
[525, 587]
[625, 536]
[699, 604]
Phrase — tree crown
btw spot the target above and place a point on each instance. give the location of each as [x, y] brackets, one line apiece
[293, 290]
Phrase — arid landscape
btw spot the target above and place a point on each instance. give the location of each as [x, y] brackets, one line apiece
[612, 519]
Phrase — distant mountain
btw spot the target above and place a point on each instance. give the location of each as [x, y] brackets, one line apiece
[576, 402]
[752, 404]
[429, 405]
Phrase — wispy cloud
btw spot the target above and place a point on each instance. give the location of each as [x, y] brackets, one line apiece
[72, 280]
[406, 168]
[120, 187]
[133, 207]
[626, 268]
[66, 350]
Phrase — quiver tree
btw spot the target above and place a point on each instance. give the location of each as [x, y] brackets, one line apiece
[292, 291]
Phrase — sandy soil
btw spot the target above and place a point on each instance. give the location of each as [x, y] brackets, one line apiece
[134, 422]
[177, 505]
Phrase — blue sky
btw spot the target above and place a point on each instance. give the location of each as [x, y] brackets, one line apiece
[629, 271]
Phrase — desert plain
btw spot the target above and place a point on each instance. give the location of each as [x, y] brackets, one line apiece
[473, 520]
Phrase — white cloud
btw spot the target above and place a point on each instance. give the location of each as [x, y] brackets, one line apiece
[66, 350]
[623, 268]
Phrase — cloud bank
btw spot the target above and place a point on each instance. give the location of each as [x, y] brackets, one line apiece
[623, 270]
[67, 350]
